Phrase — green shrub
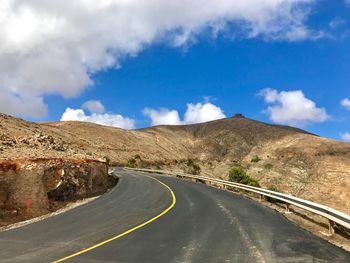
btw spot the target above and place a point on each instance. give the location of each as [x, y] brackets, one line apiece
[255, 159]
[196, 169]
[238, 175]
[190, 162]
[192, 167]
[137, 162]
[131, 163]
[268, 166]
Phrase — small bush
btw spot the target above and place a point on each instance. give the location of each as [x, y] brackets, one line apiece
[192, 167]
[268, 166]
[238, 175]
[131, 163]
[190, 162]
[196, 169]
[136, 162]
[255, 159]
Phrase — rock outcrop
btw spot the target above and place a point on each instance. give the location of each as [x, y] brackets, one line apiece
[30, 188]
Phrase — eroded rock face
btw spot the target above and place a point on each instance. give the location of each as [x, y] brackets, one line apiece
[33, 188]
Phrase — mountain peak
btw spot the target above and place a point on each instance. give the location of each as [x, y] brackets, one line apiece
[238, 115]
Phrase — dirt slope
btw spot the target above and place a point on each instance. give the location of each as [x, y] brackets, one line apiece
[290, 159]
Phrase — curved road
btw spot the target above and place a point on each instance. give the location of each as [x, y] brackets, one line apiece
[205, 225]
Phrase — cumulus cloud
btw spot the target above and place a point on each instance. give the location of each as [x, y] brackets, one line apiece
[94, 106]
[22, 105]
[199, 112]
[345, 136]
[195, 113]
[162, 116]
[54, 47]
[345, 103]
[292, 108]
[108, 119]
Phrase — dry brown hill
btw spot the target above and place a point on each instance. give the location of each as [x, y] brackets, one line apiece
[289, 159]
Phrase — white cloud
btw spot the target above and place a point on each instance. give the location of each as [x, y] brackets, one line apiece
[346, 102]
[54, 47]
[300, 33]
[195, 113]
[336, 22]
[162, 116]
[22, 105]
[292, 108]
[94, 106]
[345, 136]
[199, 112]
[108, 119]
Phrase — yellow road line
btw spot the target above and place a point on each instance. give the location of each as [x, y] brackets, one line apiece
[128, 231]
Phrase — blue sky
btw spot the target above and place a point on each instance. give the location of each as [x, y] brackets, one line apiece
[301, 72]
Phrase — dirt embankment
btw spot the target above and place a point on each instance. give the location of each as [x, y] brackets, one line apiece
[30, 188]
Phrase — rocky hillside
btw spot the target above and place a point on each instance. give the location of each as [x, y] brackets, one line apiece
[20, 139]
[286, 158]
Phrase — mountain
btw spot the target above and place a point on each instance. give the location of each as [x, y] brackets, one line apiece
[289, 159]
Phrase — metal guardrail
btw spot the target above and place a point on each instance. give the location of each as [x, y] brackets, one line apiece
[333, 216]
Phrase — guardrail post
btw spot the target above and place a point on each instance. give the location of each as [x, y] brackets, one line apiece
[287, 209]
[261, 198]
[331, 225]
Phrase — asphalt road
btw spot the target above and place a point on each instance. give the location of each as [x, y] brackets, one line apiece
[205, 225]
